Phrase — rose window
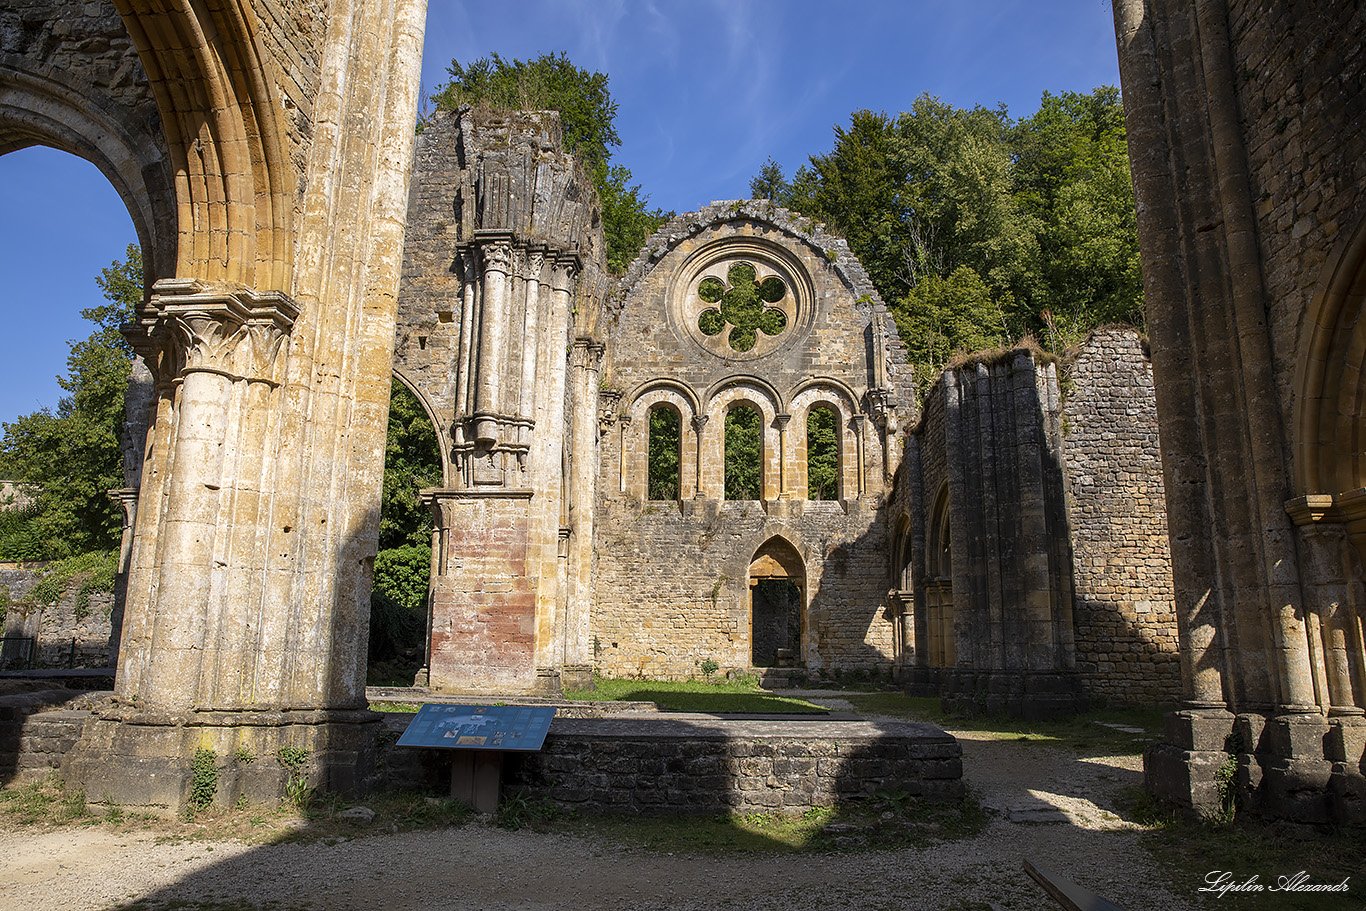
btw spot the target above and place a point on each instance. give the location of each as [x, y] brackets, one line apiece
[742, 303]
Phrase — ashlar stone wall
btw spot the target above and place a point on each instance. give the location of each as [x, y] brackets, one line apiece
[1032, 567]
[1126, 638]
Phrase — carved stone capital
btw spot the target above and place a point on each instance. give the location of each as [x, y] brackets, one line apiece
[698, 422]
[495, 250]
[608, 402]
[191, 326]
[879, 406]
[564, 270]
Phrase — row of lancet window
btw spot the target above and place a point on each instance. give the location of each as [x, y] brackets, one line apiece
[743, 453]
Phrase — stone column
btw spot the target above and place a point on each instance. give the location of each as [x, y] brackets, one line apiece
[781, 422]
[699, 423]
[127, 498]
[577, 669]
[496, 255]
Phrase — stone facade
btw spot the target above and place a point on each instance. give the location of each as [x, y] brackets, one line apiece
[1247, 127]
[540, 378]
[675, 580]
[1033, 570]
[1126, 641]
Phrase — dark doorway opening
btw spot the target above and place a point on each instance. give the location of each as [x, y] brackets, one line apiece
[777, 634]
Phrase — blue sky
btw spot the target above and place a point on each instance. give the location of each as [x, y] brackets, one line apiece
[707, 91]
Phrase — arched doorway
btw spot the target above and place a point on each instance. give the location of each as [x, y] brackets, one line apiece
[777, 597]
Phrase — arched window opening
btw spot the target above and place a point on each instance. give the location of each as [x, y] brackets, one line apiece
[777, 605]
[398, 598]
[61, 444]
[939, 605]
[822, 454]
[665, 453]
[744, 453]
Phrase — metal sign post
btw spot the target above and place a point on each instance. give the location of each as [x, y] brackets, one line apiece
[481, 734]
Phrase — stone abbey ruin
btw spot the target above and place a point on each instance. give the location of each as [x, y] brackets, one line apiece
[1178, 519]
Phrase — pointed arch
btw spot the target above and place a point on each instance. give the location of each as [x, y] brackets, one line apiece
[1330, 377]
[443, 440]
[224, 131]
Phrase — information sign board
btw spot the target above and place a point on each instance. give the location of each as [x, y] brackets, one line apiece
[479, 727]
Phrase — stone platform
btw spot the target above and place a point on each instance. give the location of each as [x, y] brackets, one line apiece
[609, 758]
[651, 763]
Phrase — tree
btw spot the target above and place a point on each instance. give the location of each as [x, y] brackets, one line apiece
[744, 448]
[412, 461]
[770, 184]
[822, 455]
[587, 121]
[1072, 175]
[665, 454]
[977, 230]
[69, 458]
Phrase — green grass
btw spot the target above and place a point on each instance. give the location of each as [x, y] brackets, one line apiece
[1085, 731]
[694, 696]
[408, 707]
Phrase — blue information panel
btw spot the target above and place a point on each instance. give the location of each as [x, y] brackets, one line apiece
[479, 727]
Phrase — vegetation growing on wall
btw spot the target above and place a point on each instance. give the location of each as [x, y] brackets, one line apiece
[587, 119]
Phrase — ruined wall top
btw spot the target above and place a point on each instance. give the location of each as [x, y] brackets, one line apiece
[516, 177]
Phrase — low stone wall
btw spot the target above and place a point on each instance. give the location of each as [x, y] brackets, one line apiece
[698, 764]
[37, 730]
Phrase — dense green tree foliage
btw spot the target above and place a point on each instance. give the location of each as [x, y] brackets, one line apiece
[70, 457]
[744, 452]
[822, 455]
[977, 229]
[398, 598]
[412, 461]
[665, 452]
[587, 119]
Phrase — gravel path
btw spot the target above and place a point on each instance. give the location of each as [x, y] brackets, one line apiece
[1046, 804]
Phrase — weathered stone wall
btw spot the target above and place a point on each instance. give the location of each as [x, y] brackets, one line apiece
[672, 578]
[999, 623]
[1246, 126]
[690, 766]
[67, 633]
[673, 584]
[502, 283]
[1301, 92]
[84, 40]
[35, 739]
[1126, 648]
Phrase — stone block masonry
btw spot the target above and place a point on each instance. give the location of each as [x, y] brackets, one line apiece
[69, 633]
[1126, 643]
[698, 764]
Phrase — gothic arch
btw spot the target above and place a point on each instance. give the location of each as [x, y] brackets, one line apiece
[777, 604]
[840, 399]
[1330, 377]
[40, 105]
[443, 439]
[224, 131]
[636, 435]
